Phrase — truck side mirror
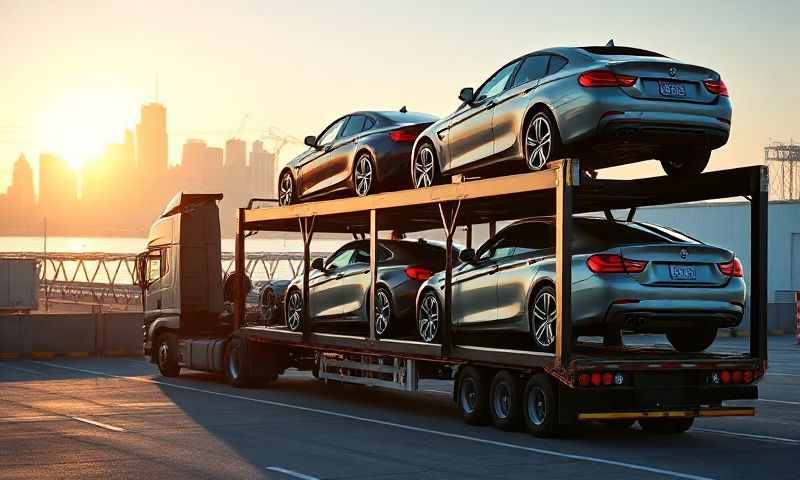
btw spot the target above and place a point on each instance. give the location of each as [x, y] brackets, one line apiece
[140, 278]
[467, 256]
[318, 264]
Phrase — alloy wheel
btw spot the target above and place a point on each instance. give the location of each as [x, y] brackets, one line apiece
[383, 312]
[294, 311]
[286, 190]
[424, 167]
[502, 401]
[469, 395]
[363, 175]
[429, 317]
[538, 143]
[544, 318]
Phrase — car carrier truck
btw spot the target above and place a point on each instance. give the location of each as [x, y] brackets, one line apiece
[188, 323]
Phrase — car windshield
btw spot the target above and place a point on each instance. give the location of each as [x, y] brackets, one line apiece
[409, 117]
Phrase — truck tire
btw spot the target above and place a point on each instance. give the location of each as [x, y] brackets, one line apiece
[166, 354]
[690, 340]
[236, 363]
[473, 395]
[666, 426]
[540, 406]
[505, 401]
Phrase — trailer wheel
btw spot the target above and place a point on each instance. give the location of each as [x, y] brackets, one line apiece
[540, 407]
[236, 362]
[666, 426]
[473, 395]
[505, 401]
[167, 355]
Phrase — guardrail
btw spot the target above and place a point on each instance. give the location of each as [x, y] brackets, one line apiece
[111, 278]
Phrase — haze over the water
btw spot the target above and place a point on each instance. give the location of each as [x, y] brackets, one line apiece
[76, 72]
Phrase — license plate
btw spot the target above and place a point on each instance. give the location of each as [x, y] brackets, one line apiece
[670, 89]
[682, 272]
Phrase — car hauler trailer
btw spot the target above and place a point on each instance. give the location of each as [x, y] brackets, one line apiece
[663, 389]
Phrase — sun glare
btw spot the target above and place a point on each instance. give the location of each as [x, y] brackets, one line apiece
[78, 125]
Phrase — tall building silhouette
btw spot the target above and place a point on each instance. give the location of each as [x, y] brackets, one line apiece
[262, 170]
[235, 153]
[193, 158]
[20, 192]
[213, 174]
[151, 139]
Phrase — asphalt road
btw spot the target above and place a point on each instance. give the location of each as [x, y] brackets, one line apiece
[117, 418]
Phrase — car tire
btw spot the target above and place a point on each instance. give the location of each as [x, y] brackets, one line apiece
[685, 163]
[472, 395]
[429, 317]
[294, 310]
[692, 340]
[505, 401]
[364, 176]
[267, 305]
[542, 315]
[666, 426]
[166, 354]
[540, 406]
[384, 305]
[287, 191]
[237, 363]
[541, 130]
[425, 166]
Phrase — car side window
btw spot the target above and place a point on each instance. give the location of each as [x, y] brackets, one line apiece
[354, 125]
[533, 68]
[361, 255]
[369, 123]
[498, 249]
[556, 64]
[341, 259]
[329, 135]
[531, 237]
[496, 84]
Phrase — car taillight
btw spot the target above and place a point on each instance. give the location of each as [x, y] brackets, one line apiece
[418, 273]
[610, 263]
[732, 268]
[605, 78]
[406, 135]
[717, 87]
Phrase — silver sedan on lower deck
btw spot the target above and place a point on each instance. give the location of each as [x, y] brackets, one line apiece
[625, 276]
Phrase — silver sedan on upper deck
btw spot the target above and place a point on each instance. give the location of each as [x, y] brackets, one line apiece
[625, 276]
[605, 105]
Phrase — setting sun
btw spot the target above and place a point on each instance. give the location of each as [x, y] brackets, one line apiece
[78, 124]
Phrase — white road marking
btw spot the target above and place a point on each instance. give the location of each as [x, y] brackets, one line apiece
[98, 424]
[26, 370]
[541, 451]
[443, 392]
[787, 402]
[782, 374]
[292, 473]
[748, 435]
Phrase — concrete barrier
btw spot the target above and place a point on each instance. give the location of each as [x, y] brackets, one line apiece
[70, 334]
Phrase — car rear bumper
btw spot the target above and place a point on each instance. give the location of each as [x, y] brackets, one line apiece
[664, 130]
[658, 316]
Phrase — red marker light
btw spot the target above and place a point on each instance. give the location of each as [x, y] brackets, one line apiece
[597, 379]
[584, 379]
[608, 378]
[725, 376]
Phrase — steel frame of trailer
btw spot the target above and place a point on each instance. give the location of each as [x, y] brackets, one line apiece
[562, 190]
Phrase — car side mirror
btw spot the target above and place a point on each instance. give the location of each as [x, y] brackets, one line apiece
[318, 264]
[467, 256]
[467, 95]
[311, 141]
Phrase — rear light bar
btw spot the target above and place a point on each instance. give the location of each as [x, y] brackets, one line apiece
[405, 135]
[418, 273]
[605, 78]
[604, 379]
[733, 377]
[717, 87]
[612, 263]
[732, 268]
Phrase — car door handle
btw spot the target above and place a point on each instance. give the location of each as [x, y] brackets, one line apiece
[328, 148]
[339, 275]
[490, 104]
[494, 269]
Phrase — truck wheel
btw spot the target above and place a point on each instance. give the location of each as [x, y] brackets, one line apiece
[167, 355]
[666, 426]
[505, 401]
[473, 395]
[236, 362]
[692, 340]
[540, 407]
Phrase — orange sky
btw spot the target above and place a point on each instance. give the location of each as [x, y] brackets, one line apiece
[74, 73]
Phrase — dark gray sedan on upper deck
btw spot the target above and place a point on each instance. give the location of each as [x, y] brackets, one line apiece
[605, 105]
